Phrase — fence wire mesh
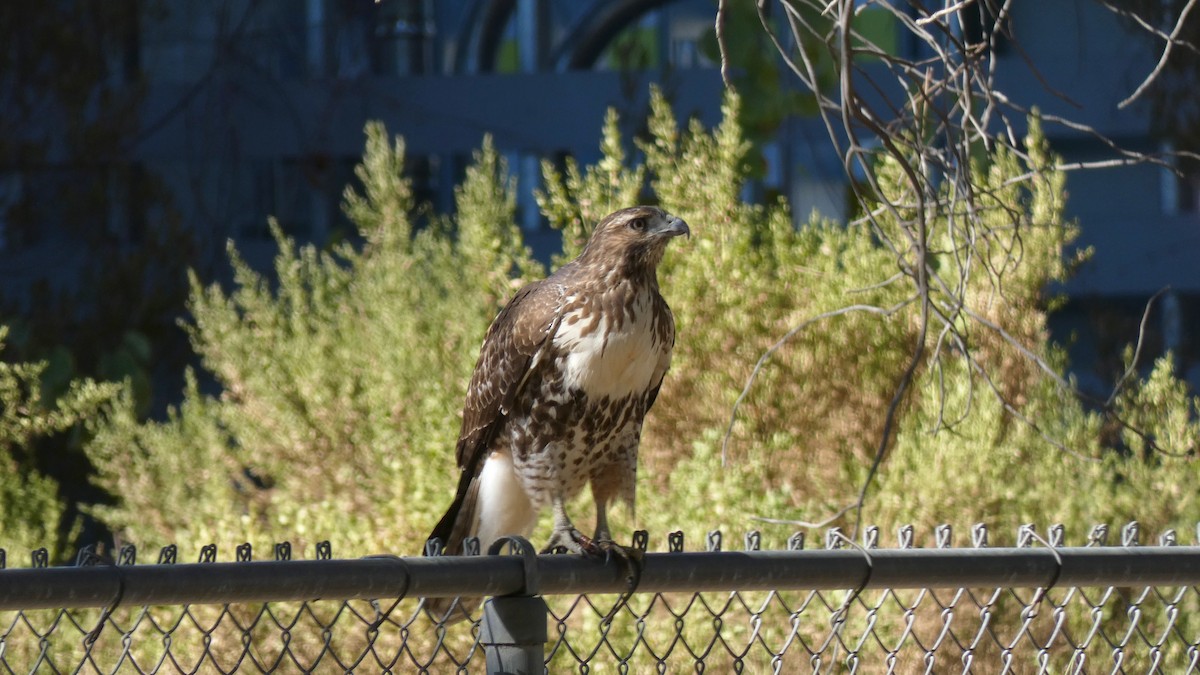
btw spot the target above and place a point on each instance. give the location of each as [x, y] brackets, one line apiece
[1080, 629]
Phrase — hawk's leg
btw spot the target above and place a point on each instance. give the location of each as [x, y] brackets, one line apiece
[603, 538]
[631, 558]
[602, 535]
[565, 535]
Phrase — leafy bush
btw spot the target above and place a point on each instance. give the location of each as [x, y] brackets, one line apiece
[33, 513]
[341, 378]
[343, 375]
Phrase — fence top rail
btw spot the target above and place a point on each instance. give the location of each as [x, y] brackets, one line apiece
[446, 576]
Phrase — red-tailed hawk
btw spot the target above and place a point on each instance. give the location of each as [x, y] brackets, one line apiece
[566, 374]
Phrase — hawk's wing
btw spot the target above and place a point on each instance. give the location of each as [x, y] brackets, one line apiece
[665, 363]
[512, 349]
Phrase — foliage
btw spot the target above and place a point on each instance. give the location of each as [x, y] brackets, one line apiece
[33, 513]
[341, 377]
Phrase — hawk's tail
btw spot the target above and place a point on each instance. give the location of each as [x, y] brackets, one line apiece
[489, 504]
[458, 523]
[460, 520]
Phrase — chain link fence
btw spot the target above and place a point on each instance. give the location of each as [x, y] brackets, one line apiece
[852, 606]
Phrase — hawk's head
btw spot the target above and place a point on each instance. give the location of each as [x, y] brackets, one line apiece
[633, 238]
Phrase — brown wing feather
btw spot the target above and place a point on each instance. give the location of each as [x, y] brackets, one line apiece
[667, 320]
[513, 343]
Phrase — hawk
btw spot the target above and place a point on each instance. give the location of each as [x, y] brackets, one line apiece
[567, 371]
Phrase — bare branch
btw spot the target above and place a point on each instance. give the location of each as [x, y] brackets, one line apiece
[1131, 370]
[824, 522]
[1146, 26]
[722, 47]
[957, 239]
[1162, 59]
[762, 360]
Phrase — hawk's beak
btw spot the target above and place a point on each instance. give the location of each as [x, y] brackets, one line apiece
[675, 227]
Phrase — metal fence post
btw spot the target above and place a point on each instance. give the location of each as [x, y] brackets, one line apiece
[513, 635]
[513, 629]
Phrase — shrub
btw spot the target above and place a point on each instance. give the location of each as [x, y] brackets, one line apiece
[33, 513]
[342, 377]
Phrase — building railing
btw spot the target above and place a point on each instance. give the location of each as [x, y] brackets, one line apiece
[1038, 606]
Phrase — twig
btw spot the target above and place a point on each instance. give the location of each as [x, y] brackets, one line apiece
[762, 360]
[1131, 370]
[722, 47]
[950, 107]
[810, 524]
[1162, 59]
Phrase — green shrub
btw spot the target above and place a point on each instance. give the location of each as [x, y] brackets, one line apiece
[341, 378]
[343, 375]
[33, 513]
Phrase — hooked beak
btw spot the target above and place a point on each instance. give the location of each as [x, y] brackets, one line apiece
[676, 227]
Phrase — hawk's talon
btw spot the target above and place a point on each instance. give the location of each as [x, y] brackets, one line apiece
[572, 541]
[630, 557]
[633, 560]
[608, 546]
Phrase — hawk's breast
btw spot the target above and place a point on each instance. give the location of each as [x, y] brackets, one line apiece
[611, 350]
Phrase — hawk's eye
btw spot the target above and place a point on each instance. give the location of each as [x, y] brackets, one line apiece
[638, 224]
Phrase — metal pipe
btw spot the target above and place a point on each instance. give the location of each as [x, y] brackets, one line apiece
[391, 577]
[888, 568]
[512, 632]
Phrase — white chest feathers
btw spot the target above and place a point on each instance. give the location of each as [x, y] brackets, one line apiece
[613, 357]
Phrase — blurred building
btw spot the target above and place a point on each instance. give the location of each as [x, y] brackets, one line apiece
[256, 107]
[277, 125]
